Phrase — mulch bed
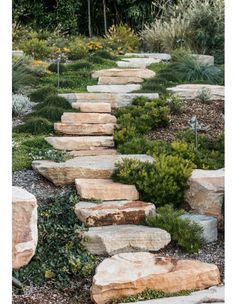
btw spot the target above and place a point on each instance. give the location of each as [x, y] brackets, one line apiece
[211, 115]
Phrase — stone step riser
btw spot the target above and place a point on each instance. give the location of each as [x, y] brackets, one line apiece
[94, 152]
[88, 107]
[88, 118]
[118, 72]
[128, 88]
[84, 129]
[119, 80]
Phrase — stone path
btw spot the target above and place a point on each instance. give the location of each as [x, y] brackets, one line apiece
[112, 211]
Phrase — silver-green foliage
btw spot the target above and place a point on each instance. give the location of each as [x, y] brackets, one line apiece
[20, 104]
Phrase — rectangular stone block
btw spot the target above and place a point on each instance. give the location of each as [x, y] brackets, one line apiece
[88, 107]
[119, 72]
[119, 80]
[113, 88]
[87, 118]
[84, 129]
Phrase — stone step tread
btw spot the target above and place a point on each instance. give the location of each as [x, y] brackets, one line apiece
[84, 129]
[109, 240]
[94, 214]
[21, 195]
[161, 56]
[88, 107]
[114, 88]
[128, 274]
[90, 118]
[116, 72]
[105, 189]
[71, 143]
[65, 173]
[119, 80]
[137, 62]
[93, 152]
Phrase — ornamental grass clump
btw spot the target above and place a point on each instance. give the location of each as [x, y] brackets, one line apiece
[42, 93]
[35, 125]
[54, 101]
[54, 66]
[53, 114]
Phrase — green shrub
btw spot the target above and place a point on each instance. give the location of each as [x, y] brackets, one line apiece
[21, 76]
[41, 94]
[186, 234]
[54, 101]
[176, 104]
[20, 104]
[162, 182]
[204, 95]
[105, 54]
[80, 64]
[60, 255]
[96, 59]
[77, 49]
[36, 48]
[53, 68]
[53, 114]
[66, 83]
[35, 125]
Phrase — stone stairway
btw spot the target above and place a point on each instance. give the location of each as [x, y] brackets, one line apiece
[112, 211]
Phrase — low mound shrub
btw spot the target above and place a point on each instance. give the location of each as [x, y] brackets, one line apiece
[96, 59]
[54, 101]
[41, 94]
[53, 68]
[77, 49]
[80, 64]
[20, 104]
[35, 125]
[105, 54]
[53, 114]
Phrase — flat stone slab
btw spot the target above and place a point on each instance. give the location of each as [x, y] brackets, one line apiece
[192, 91]
[82, 167]
[118, 72]
[213, 295]
[70, 143]
[204, 59]
[84, 129]
[88, 107]
[113, 212]
[127, 274]
[114, 88]
[17, 53]
[161, 56]
[24, 227]
[87, 118]
[119, 80]
[208, 223]
[109, 240]
[206, 192]
[96, 151]
[137, 62]
[105, 189]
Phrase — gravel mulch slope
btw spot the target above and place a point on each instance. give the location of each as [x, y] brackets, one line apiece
[211, 115]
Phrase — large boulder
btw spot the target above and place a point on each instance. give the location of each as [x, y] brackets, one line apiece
[24, 227]
[206, 192]
[127, 274]
[109, 240]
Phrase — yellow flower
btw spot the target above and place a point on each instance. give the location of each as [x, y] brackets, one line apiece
[36, 62]
[66, 50]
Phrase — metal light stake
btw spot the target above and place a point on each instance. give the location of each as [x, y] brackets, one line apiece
[58, 72]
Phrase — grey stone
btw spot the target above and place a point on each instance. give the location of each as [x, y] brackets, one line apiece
[126, 88]
[17, 53]
[161, 56]
[137, 62]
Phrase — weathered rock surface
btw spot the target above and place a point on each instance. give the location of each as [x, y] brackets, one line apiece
[82, 167]
[130, 273]
[24, 227]
[113, 212]
[119, 80]
[204, 59]
[116, 72]
[91, 152]
[17, 53]
[114, 88]
[161, 56]
[125, 238]
[213, 295]
[192, 91]
[208, 223]
[206, 192]
[105, 189]
[88, 107]
[89, 118]
[84, 129]
[80, 142]
[137, 62]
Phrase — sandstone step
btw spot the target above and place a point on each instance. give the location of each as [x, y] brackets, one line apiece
[109, 240]
[24, 227]
[84, 129]
[206, 192]
[213, 295]
[137, 62]
[208, 223]
[91, 152]
[119, 80]
[70, 143]
[82, 167]
[87, 118]
[127, 274]
[113, 212]
[115, 100]
[192, 91]
[105, 189]
[114, 88]
[118, 72]
[88, 107]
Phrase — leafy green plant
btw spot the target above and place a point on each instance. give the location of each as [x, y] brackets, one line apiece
[20, 104]
[160, 182]
[204, 95]
[80, 64]
[77, 49]
[41, 94]
[60, 255]
[53, 67]
[105, 54]
[53, 114]
[36, 48]
[176, 104]
[35, 125]
[54, 101]
[21, 76]
[50, 154]
[186, 234]
[96, 59]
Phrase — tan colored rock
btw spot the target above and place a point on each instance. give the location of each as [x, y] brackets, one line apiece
[114, 88]
[119, 80]
[71, 143]
[82, 167]
[24, 227]
[87, 118]
[93, 152]
[161, 56]
[127, 274]
[116, 72]
[84, 129]
[88, 107]
[206, 192]
[105, 189]
[109, 240]
[113, 212]
[141, 63]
